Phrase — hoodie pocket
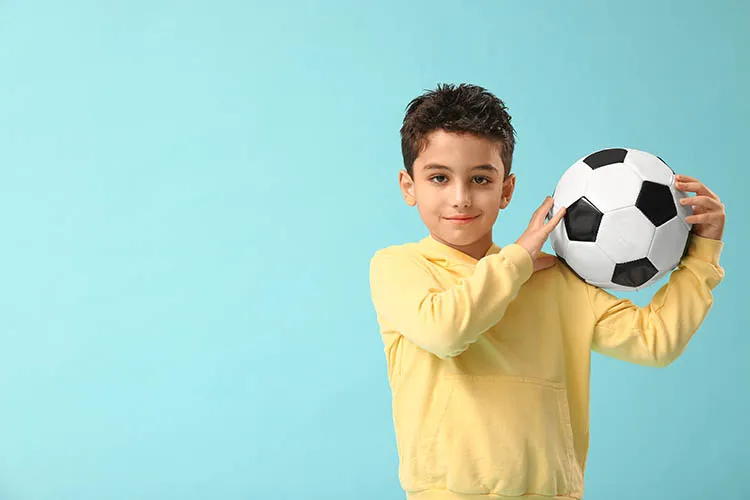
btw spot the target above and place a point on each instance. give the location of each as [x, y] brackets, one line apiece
[503, 435]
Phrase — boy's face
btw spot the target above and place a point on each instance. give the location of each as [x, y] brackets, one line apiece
[441, 194]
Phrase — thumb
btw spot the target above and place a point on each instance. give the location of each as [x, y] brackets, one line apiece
[544, 262]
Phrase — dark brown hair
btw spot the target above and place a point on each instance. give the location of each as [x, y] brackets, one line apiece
[463, 108]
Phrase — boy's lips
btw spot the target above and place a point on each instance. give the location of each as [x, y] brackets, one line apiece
[462, 219]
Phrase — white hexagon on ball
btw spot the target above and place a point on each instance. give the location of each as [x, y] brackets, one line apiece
[572, 184]
[649, 167]
[589, 260]
[625, 235]
[668, 244]
[613, 187]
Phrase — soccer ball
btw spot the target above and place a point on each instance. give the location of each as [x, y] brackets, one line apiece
[624, 227]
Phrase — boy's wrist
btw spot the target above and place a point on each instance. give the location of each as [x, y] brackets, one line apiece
[702, 248]
[520, 258]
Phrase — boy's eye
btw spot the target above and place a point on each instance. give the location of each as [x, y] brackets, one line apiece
[485, 180]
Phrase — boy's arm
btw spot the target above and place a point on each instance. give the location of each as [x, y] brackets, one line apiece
[657, 334]
[446, 322]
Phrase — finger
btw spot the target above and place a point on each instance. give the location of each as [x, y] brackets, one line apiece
[541, 212]
[702, 201]
[545, 207]
[703, 218]
[538, 211]
[686, 178]
[681, 177]
[691, 186]
[555, 220]
[696, 187]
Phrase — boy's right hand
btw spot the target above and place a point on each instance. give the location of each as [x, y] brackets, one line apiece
[537, 233]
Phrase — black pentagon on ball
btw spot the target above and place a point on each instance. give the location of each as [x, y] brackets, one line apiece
[582, 220]
[656, 202]
[605, 157]
[634, 273]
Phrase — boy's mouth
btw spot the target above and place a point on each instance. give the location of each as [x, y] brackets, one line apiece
[461, 219]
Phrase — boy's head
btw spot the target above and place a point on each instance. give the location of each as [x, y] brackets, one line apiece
[459, 127]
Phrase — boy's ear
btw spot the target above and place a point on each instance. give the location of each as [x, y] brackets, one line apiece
[406, 184]
[509, 184]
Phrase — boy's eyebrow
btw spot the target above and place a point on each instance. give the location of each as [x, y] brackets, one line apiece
[437, 166]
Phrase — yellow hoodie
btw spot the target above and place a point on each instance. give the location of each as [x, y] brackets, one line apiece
[488, 363]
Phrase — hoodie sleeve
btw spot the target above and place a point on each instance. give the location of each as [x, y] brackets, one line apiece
[655, 335]
[446, 322]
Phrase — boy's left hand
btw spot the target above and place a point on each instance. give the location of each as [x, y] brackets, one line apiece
[708, 212]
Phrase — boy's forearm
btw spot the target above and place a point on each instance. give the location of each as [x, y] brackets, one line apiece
[447, 322]
[657, 334]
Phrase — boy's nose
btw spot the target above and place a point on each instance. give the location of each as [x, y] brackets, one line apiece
[462, 198]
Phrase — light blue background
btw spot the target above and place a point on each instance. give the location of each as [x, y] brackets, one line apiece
[190, 193]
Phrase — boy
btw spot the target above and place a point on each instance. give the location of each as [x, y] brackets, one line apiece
[488, 348]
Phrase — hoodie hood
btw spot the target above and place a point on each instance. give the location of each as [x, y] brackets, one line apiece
[447, 256]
